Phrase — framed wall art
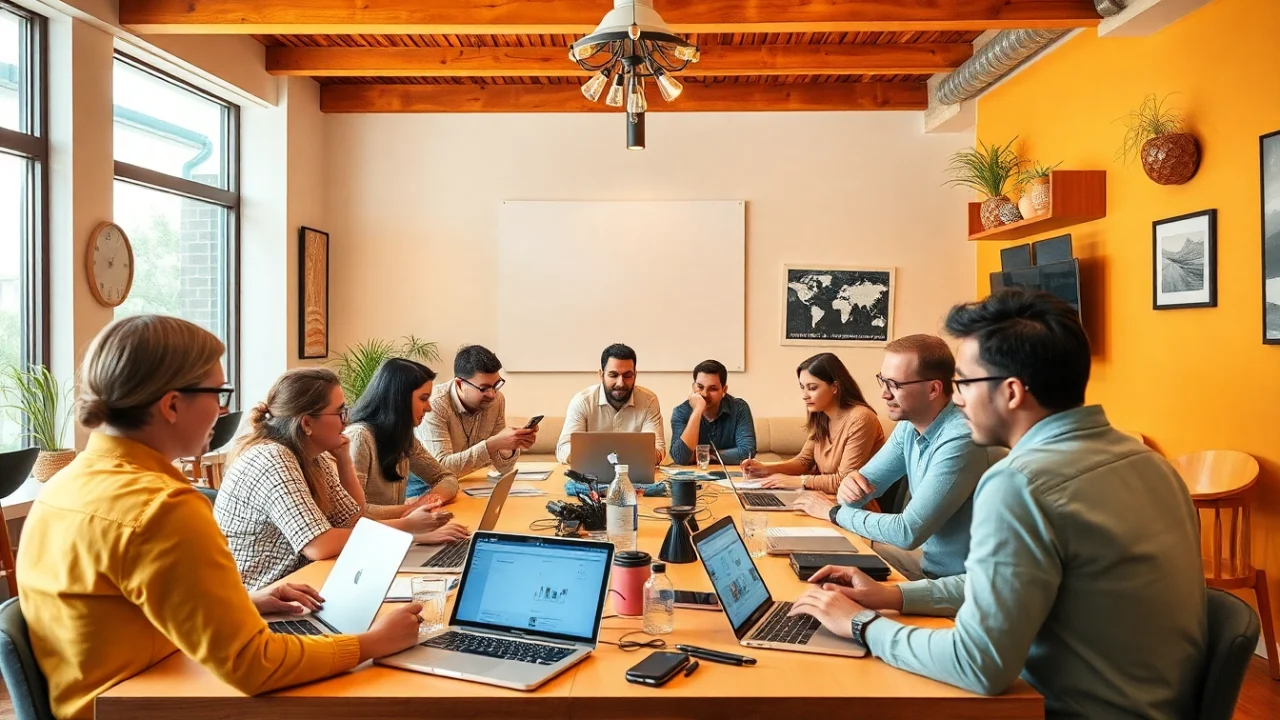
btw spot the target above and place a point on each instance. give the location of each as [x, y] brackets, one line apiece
[834, 306]
[313, 293]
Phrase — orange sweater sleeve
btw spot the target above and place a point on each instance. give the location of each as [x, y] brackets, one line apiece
[178, 569]
[864, 438]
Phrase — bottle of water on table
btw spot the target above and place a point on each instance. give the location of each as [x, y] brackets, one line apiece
[622, 511]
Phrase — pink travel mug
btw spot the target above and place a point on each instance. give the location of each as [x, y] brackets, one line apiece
[630, 571]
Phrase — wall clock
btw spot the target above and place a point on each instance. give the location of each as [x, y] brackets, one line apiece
[109, 262]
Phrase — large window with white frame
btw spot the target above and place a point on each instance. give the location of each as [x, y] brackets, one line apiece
[176, 197]
[24, 149]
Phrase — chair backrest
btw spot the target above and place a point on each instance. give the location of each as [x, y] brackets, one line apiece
[224, 430]
[22, 676]
[1233, 636]
[15, 468]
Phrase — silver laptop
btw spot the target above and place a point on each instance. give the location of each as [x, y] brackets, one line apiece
[759, 500]
[757, 619]
[589, 453]
[528, 608]
[448, 558]
[357, 583]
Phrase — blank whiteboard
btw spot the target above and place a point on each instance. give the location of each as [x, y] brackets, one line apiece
[666, 278]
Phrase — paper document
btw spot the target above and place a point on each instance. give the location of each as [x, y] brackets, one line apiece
[742, 484]
[518, 489]
[802, 532]
[401, 592]
[531, 471]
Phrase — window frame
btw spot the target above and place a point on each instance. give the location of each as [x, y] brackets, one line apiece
[228, 199]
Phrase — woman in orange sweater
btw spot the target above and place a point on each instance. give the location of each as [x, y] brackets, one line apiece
[121, 562]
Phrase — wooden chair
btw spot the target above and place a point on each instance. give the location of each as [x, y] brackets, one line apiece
[207, 470]
[15, 468]
[1221, 482]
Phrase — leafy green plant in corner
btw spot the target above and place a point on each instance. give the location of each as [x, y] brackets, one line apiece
[1035, 172]
[34, 394]
[986, 168]
[357, 364]
[1149, 120]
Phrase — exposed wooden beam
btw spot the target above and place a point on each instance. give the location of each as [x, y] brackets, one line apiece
[907, 59]
[429, 17]
[720, 97]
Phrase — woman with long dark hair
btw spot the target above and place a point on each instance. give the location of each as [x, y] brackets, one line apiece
[844, 431]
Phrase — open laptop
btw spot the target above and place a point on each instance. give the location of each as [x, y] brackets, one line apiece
[589, 453]
[757, 619]
[528, 608]
[356, 586]
[761, 500]
[448, 558]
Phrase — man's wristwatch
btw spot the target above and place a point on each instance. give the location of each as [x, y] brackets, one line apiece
[859, 625]
[835, 510]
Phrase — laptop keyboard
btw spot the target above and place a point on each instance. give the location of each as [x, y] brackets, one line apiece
[759, 499]
[450, 556]
[294, 627]
[779, 628]
[500, 648]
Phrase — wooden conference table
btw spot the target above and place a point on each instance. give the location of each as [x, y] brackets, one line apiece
[781, 685]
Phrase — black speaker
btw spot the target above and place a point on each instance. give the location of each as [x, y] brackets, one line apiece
[1016, 257]
[1051, 250]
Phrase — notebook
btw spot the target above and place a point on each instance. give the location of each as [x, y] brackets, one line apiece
[787, 540]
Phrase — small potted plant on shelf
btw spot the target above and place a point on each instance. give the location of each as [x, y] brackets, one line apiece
[989, 169]
[1156, 133]
[1033, 183]
[35, 395]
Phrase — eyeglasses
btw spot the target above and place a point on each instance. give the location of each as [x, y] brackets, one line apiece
[896, 385]
[344, 414]
[224, 393]
[486, 389]
[959, 383]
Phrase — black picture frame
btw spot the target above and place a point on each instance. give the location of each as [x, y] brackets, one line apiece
[1269, 186]
[313, 293]
[1160, 298]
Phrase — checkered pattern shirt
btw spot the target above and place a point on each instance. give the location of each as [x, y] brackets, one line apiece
[265, 509]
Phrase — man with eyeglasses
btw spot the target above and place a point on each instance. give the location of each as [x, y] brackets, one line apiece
[467, 427]
[617, 404]
[932, 447]
[1084, 571]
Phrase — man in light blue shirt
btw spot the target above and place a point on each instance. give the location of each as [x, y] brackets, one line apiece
[1084, 569]
[932, 447]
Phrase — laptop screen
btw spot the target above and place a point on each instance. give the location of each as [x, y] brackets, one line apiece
[732, 572]
[534, 585]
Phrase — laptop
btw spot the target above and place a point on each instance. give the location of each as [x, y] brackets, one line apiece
[528, 608]
[761, 500]
[356, 586]
[589, 453]
[448, 558]
[756, 618]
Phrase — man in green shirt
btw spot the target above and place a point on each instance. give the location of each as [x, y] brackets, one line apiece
[1083, 573]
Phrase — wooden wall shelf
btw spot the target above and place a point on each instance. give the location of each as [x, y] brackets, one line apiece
[1075, 196]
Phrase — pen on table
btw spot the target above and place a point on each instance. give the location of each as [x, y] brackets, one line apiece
[716, 655]
[689, 670]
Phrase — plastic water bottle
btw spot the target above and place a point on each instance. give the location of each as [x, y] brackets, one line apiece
[622, 511]
[659, 602]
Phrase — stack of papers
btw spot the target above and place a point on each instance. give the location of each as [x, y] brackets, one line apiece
[518, 489]
[801, 532]
[531, 471]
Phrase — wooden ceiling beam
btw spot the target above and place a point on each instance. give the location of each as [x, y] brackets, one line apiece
[720, 97]
[463, 17]
[720, 60]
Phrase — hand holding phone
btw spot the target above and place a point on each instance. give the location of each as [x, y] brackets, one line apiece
[533, 422]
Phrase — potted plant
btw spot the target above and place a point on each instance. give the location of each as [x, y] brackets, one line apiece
[1157, 134]
[357, 364]
[989, 169]
[1033, 182]
[35, 395]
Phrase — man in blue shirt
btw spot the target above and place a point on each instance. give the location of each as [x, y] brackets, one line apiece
[1084, 569]
[932, 447]
[722, 419]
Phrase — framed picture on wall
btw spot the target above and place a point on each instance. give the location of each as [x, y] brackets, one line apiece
[837, 306]
[1271, 238]
[313, 293]
[1184, 261]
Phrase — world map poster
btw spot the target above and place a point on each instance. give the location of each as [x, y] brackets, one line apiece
[838, 306]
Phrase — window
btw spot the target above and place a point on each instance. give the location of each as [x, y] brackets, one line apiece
[176, 197]
[24, 147]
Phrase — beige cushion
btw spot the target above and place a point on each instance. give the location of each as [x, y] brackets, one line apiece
[548, 433]
[787, 436]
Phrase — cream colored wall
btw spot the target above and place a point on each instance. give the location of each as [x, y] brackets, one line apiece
[412, 203]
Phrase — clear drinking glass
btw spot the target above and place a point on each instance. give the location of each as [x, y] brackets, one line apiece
[704, 457]
[754, 527]
[431, 592]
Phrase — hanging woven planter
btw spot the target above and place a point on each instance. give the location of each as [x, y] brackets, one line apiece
[49, 462]
[1171, 159]
[999, 211]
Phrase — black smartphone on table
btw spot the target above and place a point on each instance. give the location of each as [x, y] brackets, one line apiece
[695, 600]
[658, 668]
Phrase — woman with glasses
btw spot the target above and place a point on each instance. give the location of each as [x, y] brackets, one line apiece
[121, 562]
[290, 494]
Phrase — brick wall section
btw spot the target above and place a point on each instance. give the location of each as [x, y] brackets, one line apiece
[201, 274]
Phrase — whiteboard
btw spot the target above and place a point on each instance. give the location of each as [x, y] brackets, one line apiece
[666, 278]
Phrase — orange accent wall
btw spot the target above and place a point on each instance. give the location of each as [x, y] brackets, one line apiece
[1187, 379]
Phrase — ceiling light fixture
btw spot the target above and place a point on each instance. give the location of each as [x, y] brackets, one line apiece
[630, 44]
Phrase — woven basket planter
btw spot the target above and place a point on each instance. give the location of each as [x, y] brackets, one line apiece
[1040, 196]
[999, 211]
[1171, 159]
[49, 462]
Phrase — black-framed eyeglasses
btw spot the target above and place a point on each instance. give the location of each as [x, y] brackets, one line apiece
[486, 388]
[896, 385]
[224, 393]
[344, 414]
[961, 382]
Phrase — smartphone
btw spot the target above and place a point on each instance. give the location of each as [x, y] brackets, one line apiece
[658, 668]
[533, 423]
[697, 600]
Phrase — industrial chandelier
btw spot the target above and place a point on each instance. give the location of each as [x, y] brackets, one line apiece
[632, 44]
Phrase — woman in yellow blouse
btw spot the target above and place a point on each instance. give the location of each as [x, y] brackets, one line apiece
[121, 561]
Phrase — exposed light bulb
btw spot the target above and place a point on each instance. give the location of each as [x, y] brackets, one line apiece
[688, 53]
[636, 102]
[592, 88]
[615, 97]
[668, 86]
[633, 32]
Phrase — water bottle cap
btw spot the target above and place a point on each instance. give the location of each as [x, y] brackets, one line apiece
[659, 567]
[620, 468]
